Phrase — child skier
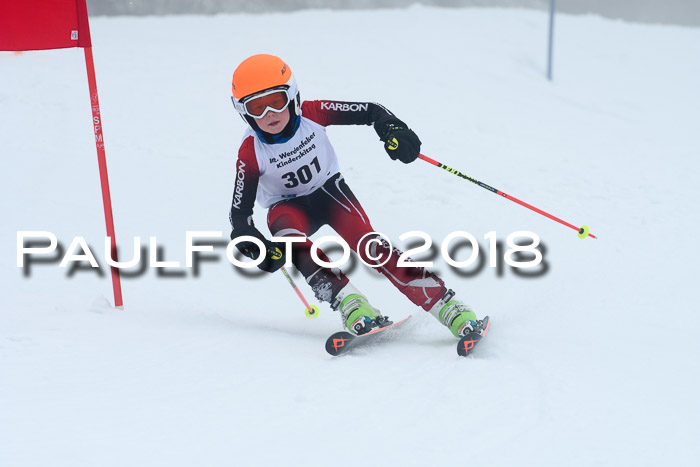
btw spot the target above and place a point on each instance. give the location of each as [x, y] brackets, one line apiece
[287, 163]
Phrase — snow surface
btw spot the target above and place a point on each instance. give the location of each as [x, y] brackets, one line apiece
[592, 363]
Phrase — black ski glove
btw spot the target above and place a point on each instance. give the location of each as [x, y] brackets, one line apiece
[274, 254]
[400, 142]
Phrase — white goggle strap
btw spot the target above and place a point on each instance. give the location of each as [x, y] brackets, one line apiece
[240, 108]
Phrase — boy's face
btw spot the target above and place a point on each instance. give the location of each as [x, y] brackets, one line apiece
[273, 122]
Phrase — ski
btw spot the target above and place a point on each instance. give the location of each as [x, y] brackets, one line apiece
[342, 342]
[467, 343]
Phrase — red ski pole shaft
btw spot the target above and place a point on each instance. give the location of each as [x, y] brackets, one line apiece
[581, 230]
[311, 311]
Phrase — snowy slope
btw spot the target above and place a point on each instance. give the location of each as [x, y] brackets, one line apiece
[592, 363]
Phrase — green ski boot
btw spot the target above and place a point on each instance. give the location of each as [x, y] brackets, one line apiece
[358, 316]
[454, 314]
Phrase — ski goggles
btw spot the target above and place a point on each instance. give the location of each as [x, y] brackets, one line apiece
[275, 100]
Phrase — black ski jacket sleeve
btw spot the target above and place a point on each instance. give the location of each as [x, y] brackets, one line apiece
[343, 113]
[244, 192]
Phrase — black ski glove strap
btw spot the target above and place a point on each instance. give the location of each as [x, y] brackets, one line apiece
[274, 254]
[400, 142]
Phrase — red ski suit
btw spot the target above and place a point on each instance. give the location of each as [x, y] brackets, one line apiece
[298, 179]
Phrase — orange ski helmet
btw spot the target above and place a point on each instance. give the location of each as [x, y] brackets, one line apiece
[260, 73]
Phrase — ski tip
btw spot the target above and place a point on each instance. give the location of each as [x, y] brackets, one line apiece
[467, 343]
[339, 343]
[342, 342]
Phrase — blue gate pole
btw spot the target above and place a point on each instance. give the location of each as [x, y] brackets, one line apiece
[552, 7]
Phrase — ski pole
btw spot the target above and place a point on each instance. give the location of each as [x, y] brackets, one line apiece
[583, 231]
[311, 311]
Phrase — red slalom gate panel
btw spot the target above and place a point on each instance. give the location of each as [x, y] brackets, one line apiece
[43, 24]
